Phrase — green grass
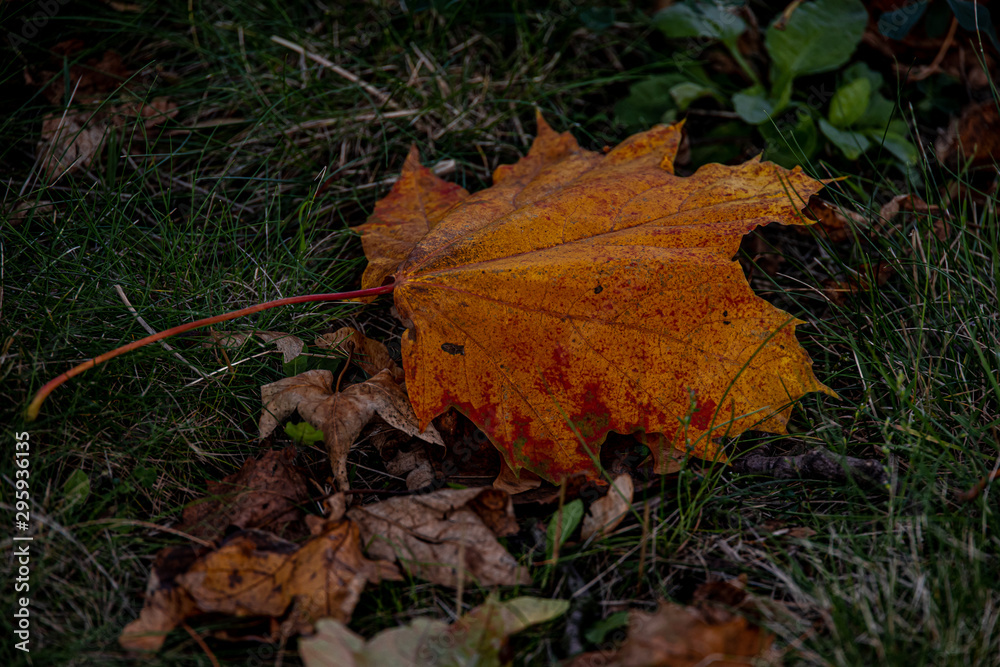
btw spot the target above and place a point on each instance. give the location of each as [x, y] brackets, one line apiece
[225, 209]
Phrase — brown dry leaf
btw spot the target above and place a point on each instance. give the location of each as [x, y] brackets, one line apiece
[444, 535]
[71, 137]
[340, 416]
[585, 293]
[514, 483]
[906, 202]
[166, 605]
[975, 137]
[268, 492]
[836, 223]
[254, 573]
[839, 290]
[669, 459]
[414, 465]
[290, 346]
[88, 82]
[369, 355]
[706, 633]
[477, 638]
[607, 512]
[70, 140]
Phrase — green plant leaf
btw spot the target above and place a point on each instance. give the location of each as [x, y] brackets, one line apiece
[648, 101]
[878, 114]
[975, 17]
[76, 488]
[851, 144]
[563, 522]
[721, 144]
[701, 19]
[303, 433]
[788, 144]
[894, 139]
[689, 91]
[753, 105]
[850, 102]
[861, 70]
[598, 631]
[898, 23]
[819, 37]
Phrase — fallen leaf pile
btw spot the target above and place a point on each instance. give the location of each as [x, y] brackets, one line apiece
[254, 573]
[104, 97]
[582, 294]
[585, 293]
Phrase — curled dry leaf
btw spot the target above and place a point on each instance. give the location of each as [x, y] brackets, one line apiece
[290, 346]
[444, 535]
[268, 492]
[340, 416]
[71, 137]
[862, 280]
[974, 137]
[514, 483]
[906, 202]
[254, 573]
[706, 633]
[607, 512]
[834, 222]
[477, 638]
[369, 355]
[167, 604]
[585, 293]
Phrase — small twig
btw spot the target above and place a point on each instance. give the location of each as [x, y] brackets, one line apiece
[338, 70]
[921, 73]
[818, 463]
[201, 642]
[149, 329]
[786, 15]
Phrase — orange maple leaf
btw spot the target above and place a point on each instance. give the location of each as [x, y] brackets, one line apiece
[585, 293]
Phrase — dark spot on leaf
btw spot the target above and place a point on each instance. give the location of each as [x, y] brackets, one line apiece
[725, 321]
[451, 348]
[598, 289]
[725, 313]
[782, 347]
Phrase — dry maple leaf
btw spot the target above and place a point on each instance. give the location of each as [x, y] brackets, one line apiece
[369, 355]
[340, 416]
[444, 535]
[254, 573]
[477, 638]
[609, 510]
[705, 633]
[71, 137]
[585, 293]
[265, 493]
